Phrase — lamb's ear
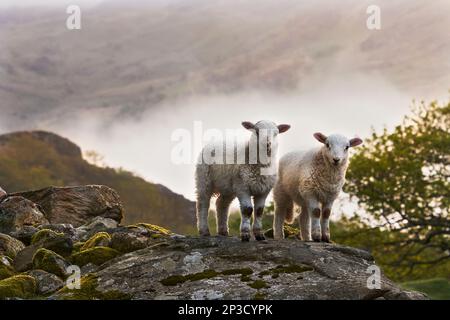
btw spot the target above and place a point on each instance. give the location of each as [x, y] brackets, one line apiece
[248, 125]
[283, 128]
[355, 142]
[320, 137]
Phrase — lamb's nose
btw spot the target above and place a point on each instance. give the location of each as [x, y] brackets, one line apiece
[336, 160]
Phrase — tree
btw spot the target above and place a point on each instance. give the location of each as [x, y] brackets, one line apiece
[402, 180]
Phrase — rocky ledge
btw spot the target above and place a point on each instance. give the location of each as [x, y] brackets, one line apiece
[144, 261]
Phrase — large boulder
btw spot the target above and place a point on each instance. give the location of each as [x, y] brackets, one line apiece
[46, 283]
[9, 246]
[20, 286]
[17, 212]
[77, 205]
[225, 268]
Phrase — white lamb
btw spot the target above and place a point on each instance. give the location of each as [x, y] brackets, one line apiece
[311, 180]
[242, 179]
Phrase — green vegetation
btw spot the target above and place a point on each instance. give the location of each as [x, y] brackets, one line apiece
[438, 289]
[45, 234]
[29, 162]
[401, 179]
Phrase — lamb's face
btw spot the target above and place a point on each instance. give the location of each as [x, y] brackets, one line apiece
[266, 131]
[336, 147]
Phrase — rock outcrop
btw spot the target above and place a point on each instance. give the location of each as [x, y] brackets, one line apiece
[17, 212]
[145, 261]
[76, 205]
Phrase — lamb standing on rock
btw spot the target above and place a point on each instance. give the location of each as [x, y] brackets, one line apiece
[242, 179]
[312, 180]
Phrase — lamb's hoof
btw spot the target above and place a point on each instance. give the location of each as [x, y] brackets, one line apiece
[222, 234]
[326, 238]
[245, 237]
[316, 238]
[260, 237]
[205, 233]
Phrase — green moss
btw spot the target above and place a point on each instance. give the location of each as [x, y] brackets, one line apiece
[289, 232]
[95, 255]
[88, 291]
[208, 274]
[77, 247]
[292, 268]
[20, 286]
[260, 296]
[100, 239]
[258, 284]
[45, 234]
[155, 231]
[50, 261]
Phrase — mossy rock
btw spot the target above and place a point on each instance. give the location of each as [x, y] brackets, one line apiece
[50, 261]
[207, 274]
[88, 291]
[96, 255]
[54, 241]
[100, 239]
[289, 232]
[153, 231]
[10, 246]
[20, 286]
[6, 269]
[77, 247]
[128, 241]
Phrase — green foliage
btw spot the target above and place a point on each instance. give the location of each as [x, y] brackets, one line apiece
[402, 180]
[437, 289]
[28, 163]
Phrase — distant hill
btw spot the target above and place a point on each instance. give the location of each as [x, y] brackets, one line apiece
[134, 55]
[37, 159]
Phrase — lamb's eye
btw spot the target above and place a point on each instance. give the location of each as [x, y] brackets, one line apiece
[328, 145]
[346, 148]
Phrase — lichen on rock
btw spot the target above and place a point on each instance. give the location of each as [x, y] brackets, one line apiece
[10, 246]
[89, 291]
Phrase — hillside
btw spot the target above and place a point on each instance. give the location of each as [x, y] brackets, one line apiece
[134, 55]
[37, 159]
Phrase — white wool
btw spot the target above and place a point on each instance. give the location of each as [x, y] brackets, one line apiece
[311, 179]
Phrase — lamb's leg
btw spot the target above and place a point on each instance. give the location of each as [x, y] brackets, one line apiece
[202, 214]
[314, 213]
[305, 224]
[246, 215]
[284, 207]
[259, 203]
[222, 206]
[325, 222]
